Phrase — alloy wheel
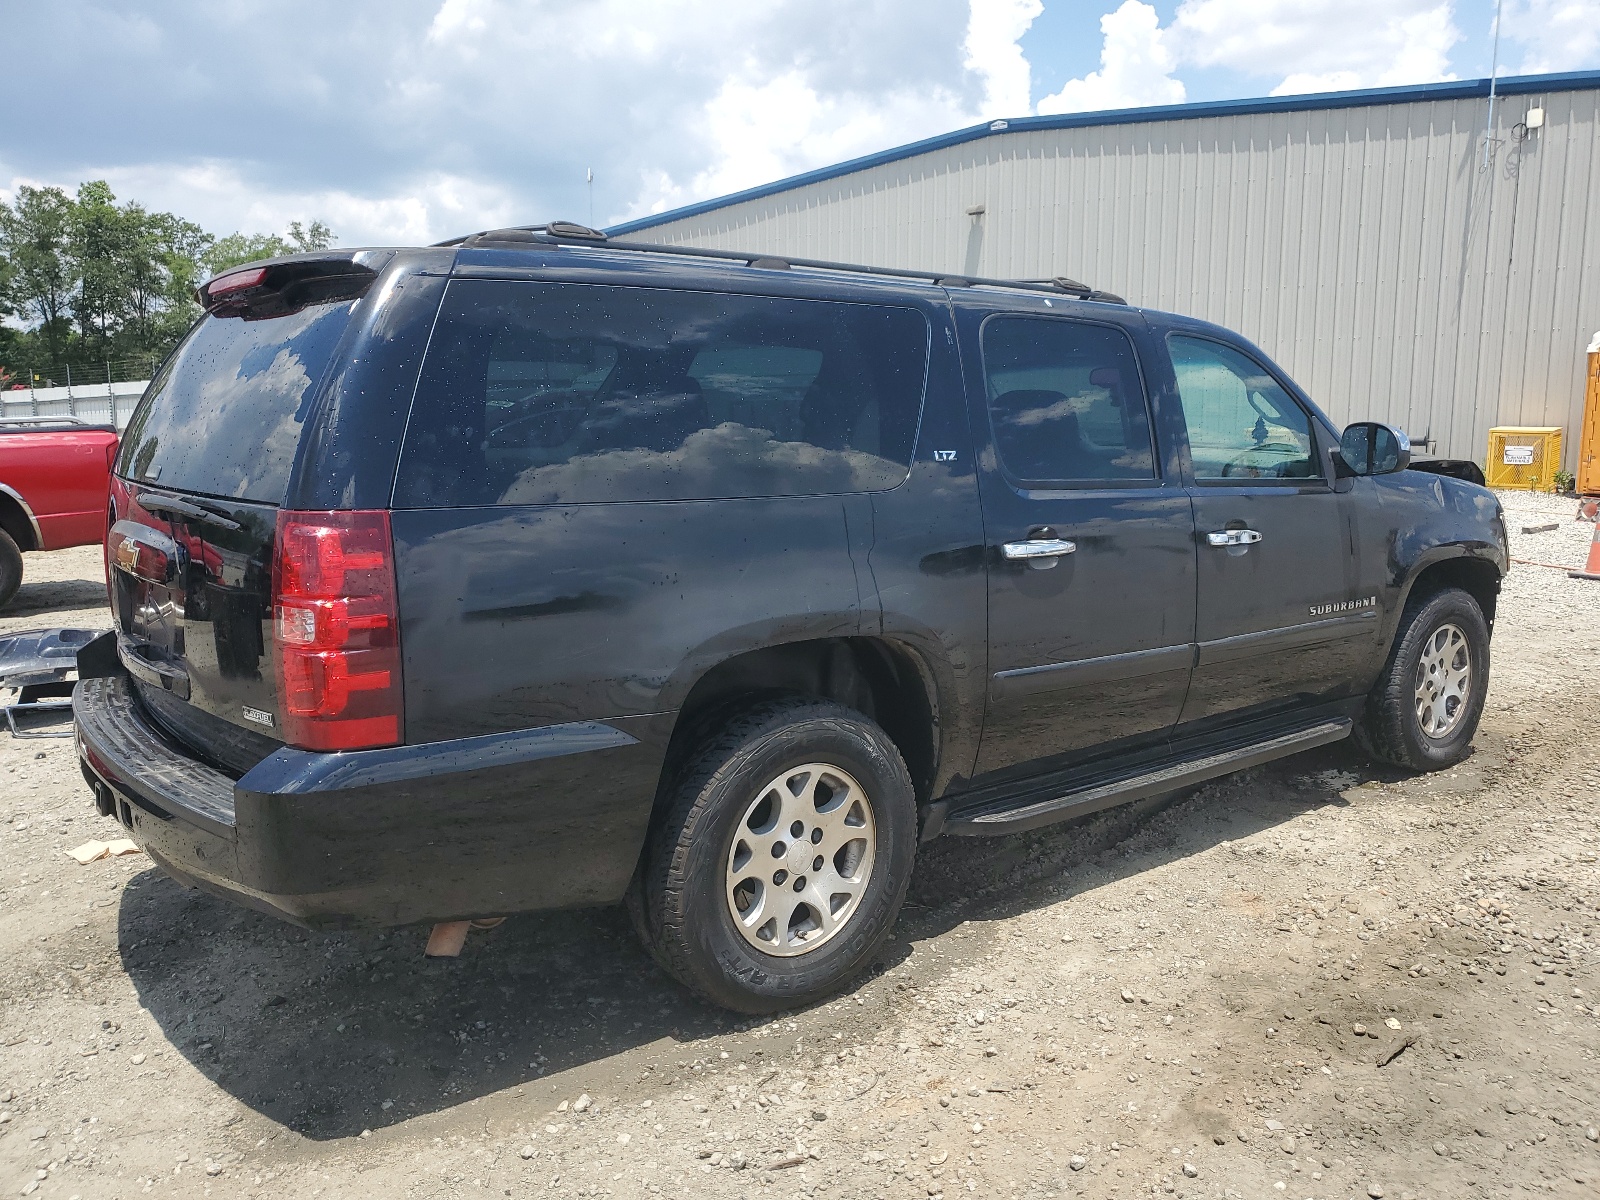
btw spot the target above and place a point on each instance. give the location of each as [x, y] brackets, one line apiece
[801, 859]
[1444, 679]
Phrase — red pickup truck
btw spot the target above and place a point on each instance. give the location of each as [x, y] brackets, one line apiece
[55, 476]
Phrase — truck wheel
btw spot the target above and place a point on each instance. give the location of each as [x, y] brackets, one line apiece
[1425, 707]
[10, 568]
[782, 858]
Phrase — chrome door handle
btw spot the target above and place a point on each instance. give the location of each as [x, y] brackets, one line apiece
[1039, 548]
[1233, 537]
[1039, 553]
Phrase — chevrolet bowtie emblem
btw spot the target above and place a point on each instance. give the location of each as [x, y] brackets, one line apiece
[127, 554]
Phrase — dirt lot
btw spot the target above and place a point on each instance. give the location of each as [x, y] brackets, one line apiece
[1317, 979]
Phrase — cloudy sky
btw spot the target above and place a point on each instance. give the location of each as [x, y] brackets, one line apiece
[414, 120]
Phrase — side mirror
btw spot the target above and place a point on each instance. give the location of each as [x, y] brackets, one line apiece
[1373, 448]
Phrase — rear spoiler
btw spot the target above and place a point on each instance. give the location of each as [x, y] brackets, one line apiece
[278, 286]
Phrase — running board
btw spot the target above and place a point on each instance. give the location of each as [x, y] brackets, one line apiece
[1017, 813]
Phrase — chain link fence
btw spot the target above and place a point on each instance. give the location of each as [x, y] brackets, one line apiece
[76, 373]
[97, 394]
[93, 404]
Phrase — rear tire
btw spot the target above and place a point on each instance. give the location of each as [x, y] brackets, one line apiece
[744, 910]
[10, 568]
[1425, 707]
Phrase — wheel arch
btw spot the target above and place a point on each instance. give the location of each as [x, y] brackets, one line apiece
[885, 680]
[17, 519]
[1478, 577]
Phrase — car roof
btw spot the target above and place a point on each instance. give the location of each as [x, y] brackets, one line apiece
[563, 250]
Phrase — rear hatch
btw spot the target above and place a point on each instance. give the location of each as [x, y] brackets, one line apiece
[205, 465]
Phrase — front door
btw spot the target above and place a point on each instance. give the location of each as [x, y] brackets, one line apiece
[1090, 545]
[1280, 624]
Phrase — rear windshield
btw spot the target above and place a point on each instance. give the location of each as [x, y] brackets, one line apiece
[223, 417]
[536, 393]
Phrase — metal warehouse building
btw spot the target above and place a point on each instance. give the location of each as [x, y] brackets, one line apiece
[1366, 240]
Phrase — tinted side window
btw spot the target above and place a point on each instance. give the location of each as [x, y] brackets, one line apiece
[538, 393]
[224, 415]
[1066, 401]
[1242, 425]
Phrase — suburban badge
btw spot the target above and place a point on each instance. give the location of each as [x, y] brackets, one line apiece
[1340, 606]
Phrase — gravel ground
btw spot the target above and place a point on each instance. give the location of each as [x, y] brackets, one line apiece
[1314, 979]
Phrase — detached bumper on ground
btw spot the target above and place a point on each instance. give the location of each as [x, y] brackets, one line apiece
[541, 818]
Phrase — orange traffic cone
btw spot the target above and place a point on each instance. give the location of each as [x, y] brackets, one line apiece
[1592, 569]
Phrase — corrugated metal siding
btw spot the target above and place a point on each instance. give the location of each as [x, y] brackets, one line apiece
[1364, 248]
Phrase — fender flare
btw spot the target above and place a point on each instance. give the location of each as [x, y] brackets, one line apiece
[951, 754]
[1440, 553]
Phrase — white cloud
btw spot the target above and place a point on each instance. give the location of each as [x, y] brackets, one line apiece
[1302, 83]
[220, 198]
[994, 28]
[1318, 45]
[412, 120]
[417, 119]
[760, 131]
[1555, 35]
[705, 97]
[1136, 66]
[1308, 45]
[457, 17]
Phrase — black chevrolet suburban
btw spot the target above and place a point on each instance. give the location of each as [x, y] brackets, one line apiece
[539, 570]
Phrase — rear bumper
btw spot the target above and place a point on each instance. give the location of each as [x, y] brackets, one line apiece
[541, 818]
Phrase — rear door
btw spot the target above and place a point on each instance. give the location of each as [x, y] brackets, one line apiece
[1090, 542]
[205, 464]
[1281, 619]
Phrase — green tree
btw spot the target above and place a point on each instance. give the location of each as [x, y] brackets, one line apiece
[11, 339]
[101, 287]
[239, 248]
[35, 235]
[8, 289]
[101, 240]
[162, 267]
[136, 273]
[317, 237]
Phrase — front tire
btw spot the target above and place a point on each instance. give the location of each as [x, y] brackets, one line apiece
[1424, 710]
[782, 859]
[10, 568]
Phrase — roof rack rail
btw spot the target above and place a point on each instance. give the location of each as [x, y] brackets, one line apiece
[558, 233]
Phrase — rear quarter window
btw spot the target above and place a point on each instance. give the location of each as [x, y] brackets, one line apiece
[539, 393]
[224, 415]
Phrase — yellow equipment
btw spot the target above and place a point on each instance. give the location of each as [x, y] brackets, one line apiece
[1523, 457]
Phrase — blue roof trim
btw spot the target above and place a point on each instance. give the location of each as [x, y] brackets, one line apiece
[1464, 89]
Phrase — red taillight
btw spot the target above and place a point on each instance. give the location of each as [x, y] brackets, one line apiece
[336, 627]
